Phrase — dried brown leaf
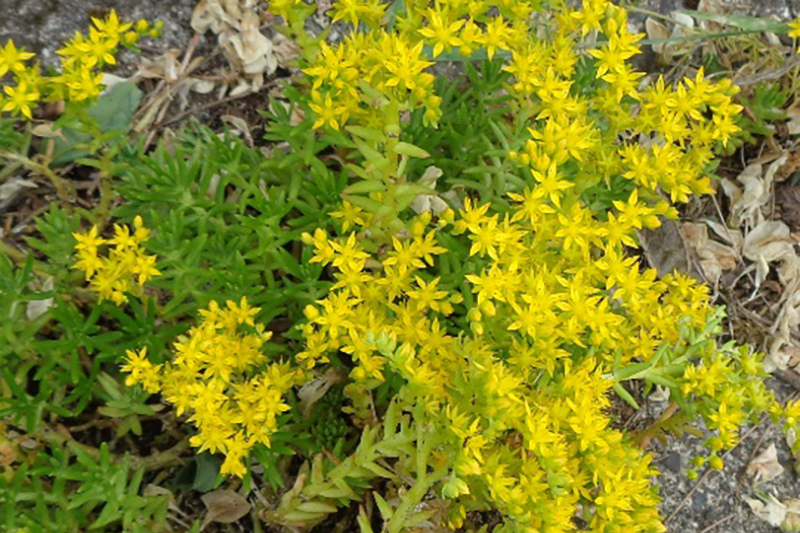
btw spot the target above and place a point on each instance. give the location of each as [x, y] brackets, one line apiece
[794, 121]
[656, 30]
[665, 249]
[429, 202]
[713, 257]
[240, 125]
[765, 466]
[770, 240]
[731, 236]
[224, 506]
[314, 390]
[772, 511]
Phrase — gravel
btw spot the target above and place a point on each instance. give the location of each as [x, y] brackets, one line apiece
[42, 25]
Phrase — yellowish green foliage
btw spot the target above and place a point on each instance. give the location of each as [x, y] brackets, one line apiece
[125, 269]
[83, 59]
[211, 378]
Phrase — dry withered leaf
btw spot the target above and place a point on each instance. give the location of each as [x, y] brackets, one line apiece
[37, 308]
[765, 466]
[787, 202]
[770, 241]
[793, 126]
[285, 49]
[791, 524]
[314, 390]
[252, 48]
[45, 130]
[660, 394]
[656, 30]
[201, 86]
[224, 506]
[783, 350]
[237, 24]
[12, 190]
[239, 125]
[157, 490]
[665, 250]
[429, 202]
[771, 511]
[297, 116]
[731, 236]
[167, 66]
[713, 257]
[756, 192]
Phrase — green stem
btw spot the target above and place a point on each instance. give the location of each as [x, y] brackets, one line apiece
[424, 481]
[63, 188]
[412, 499]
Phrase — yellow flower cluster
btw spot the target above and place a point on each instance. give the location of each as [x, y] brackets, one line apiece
[211, 377]
[731, 379]
[83, 59]
[360, 79]
[368, 71]
[556, 309]
[525, 393]
[126, 268]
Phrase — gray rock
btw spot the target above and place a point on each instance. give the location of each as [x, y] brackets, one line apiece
[672, 462]
[43, 25]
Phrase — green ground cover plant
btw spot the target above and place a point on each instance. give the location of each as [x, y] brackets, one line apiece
[414, 310]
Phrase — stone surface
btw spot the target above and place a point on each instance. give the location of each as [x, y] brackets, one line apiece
[42, 25]
[720, 496]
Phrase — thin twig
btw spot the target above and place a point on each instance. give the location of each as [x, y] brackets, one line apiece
[167, 102]
[717, 523]
[788, 65]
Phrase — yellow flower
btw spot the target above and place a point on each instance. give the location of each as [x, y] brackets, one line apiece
[112, 28]
[99, 49]
[327, 111]
[794, 32]
[351, 216]
[127, 267]
[12, 59]
[444, 34]
[20, 99]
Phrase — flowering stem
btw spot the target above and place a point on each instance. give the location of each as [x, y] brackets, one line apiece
[425, 443]
[412, 499]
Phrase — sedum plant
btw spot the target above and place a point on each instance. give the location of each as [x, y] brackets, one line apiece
[433, 293]
[82, 61]
[484, 342]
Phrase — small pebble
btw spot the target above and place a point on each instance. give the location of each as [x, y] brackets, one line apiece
[699, 501]
[672, 462]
